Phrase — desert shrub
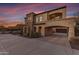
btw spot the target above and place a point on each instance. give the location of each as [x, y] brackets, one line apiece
[35, 35]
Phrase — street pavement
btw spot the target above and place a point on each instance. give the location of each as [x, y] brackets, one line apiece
[17, 45]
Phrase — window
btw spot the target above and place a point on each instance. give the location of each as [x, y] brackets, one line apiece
[37, 19]
[40, 18]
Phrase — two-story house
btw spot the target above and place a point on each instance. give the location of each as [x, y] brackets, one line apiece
[49, 22]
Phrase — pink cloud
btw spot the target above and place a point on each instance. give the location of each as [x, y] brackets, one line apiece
[22, 9]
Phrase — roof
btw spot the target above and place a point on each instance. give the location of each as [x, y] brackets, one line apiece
[52, 10]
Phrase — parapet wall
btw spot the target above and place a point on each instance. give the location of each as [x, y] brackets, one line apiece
[62, 22]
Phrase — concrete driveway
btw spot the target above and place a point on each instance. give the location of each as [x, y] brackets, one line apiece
[58, 38]
[16, 45]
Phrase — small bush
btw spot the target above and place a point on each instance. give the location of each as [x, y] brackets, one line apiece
[35, 35]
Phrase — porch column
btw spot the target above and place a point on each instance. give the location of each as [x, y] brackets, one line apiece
[37, 29]
[71, 32]
[43, 31]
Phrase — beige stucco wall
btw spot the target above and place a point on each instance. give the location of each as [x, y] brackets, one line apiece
[70, 23]
[63, 22]
[63, 11]
[42, 29]
[45, 15]
[25, 30]
[67, 22]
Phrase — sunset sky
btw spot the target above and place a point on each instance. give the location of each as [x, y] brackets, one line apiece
[12, 14]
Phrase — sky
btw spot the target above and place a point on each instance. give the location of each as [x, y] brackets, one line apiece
[14, 13]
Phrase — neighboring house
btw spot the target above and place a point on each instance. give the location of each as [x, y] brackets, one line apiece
[16, 29]
[49, 22]
[2, 29]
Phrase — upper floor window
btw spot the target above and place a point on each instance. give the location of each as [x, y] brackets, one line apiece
[39, 19]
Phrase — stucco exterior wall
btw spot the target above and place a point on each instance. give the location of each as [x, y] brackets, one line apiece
[44, 17]
[63, 11]
[67, 22]
[63, 22]
[70, 23]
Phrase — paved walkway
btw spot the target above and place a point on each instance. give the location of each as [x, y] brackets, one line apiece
[13, 44]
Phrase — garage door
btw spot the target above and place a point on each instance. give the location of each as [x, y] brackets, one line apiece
[61, 30]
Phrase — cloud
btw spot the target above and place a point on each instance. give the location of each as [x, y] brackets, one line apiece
[15, 13]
